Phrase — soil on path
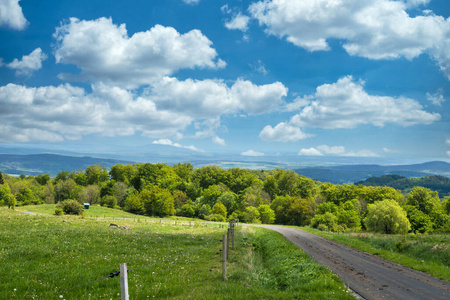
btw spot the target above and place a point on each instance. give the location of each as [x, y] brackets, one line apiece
[368, 275]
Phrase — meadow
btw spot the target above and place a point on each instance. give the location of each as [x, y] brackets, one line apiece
[44, 256]
[429, 253]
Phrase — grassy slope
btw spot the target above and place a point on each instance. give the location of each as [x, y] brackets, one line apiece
[50, 257]
[427, 253]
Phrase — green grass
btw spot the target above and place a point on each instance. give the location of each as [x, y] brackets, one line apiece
[427, 253]
[68, 257]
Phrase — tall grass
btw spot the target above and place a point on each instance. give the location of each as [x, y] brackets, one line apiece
[69, 257]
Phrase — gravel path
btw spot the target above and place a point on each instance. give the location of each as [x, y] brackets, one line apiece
[370, 276]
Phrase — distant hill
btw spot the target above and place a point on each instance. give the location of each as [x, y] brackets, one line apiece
[356, 173]
[441, 184]
[34, 164]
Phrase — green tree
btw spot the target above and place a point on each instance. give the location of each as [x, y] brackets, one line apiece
[96, 174]
[1, 178]
[205, 210]
[184, 171]
[123, 173]
[42, 179]
[134, 204]
[328, 220]
[157, 201]
[349, 216]
[292, 210]
[420, 222]
[209, 175]
[219, 209]
[63, 189]
[109, 201]
[266, 214]
[89, 194]
[386, 216]
[230, 200]
[187, 210]
[423, 199]
[251, 215]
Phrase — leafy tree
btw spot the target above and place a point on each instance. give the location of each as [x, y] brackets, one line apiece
[123, 173]
[109, 201]
[386, 217]
[328, 221]
[266, 214]
[230, 200]
[120, 192]
[271, 186]
[7, 197]
[184, 171]
[240, 179]
[292, 210]
[96, 174]
[157, 201]
[349, 216]
[219, 209]
[89, 194]
[43, 179]
[62, 175]
[420, 222]
[372, 194]
[209, 175]
[213, 192]
[134, 204]
[107, 188]
[187, 210]
[63, 189]
[1, 178]
[71, 207]
[80, 179]
[423, 199]
[251, 215]
[326, 207]
[255, 196]
[446, 205]
[205, 210]
[180, 198]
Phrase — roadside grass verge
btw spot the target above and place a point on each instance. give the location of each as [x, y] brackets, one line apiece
[69, 257]
[426, 253]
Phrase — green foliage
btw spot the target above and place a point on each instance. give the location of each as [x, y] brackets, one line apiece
[326, 207]
[63, 189]
[219, 209]
[205, 210]
[71, 207]
[209, 175]
[123, 173]
[187, 210]
[386, 217]
[109, 201]
[230, 200]
[133, 204]
[266, 214]
[96, 174]
[1, 178]
[43, 179]
[216, 218]
[251, 215]
[420, 222]
[157, 202]
[423, 199]
[292, 210]
[59, 211]
[326, 221]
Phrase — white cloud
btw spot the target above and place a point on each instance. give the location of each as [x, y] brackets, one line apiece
[66, 113]
[252, 153]
[219, 141]
[310, 152]
[192, 2]
[379, 29]
[282, 133]
[168, 142]
[448, 153]
[447, 141]
[259, 67]
[387, 150]
[415, 3]
[238, 22]
[115, 58]
[212, 98]
[11, 15]
[29, 63]
[345, 104]
[298, 103]
[335, 151]
[436, 98]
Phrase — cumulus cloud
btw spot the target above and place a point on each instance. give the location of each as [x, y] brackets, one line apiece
[283, 132]
[105, 53]
[238, 22]
[11, 15]
[168, 142]
[436, 98]
[448, 153]
[211, 98]
[66, 113]
[345, 104]
[219, 141]
[335, 151]
[447, 141]
[252, 153]
[379, 29]
[29, 63]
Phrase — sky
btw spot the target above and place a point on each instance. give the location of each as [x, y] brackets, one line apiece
[312, 78]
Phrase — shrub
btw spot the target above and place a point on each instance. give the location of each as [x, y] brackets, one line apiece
[216, 218]
[109, 201]
[71, 207]
[386, 217]
[59, 212]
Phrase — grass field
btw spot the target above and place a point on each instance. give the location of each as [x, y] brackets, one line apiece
[69, 257]
[427, 253]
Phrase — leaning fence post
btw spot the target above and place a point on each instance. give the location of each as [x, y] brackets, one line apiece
[224, 257]
[124, 282]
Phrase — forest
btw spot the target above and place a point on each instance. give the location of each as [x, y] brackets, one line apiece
[253, 196]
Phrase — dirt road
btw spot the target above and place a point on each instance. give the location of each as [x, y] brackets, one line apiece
[369, 276]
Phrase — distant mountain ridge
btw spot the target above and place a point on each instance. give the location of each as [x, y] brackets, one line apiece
[34, 164]
[356, 173]
[440, 184]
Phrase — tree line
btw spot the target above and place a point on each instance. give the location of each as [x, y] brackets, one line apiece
[253, 196]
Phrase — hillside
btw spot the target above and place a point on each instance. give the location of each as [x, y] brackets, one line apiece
[34, 164]
[441, 184]
[357, 173]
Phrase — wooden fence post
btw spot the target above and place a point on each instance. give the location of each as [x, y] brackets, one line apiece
[228, 240]
[124, 282]
[224, 257]
[232, 235]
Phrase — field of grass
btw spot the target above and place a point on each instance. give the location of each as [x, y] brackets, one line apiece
[69, 257]
[427, 253]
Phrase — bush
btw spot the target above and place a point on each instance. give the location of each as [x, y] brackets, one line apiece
[109, 201]
[59, 212]
[70, 207]
[216, 218]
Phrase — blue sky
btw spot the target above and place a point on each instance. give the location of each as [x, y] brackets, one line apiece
[314, 78]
